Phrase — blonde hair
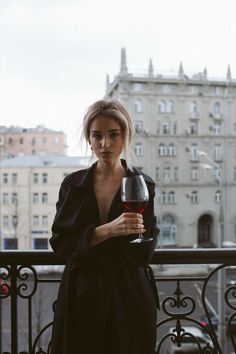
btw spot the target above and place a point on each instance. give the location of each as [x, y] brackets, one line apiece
[116, 110]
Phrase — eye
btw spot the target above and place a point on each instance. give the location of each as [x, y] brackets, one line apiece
[114, 135]
[97, 136]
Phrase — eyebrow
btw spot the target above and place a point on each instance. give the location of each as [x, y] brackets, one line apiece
[110, 131]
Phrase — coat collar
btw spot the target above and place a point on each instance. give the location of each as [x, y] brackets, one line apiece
[81, 177]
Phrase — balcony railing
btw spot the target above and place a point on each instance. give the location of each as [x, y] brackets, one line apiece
[190, 288]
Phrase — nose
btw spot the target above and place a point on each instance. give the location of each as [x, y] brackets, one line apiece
[105, 142]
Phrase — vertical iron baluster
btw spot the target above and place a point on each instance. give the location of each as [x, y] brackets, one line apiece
[14, 337]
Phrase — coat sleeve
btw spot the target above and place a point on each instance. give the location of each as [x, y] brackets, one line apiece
[70, 239]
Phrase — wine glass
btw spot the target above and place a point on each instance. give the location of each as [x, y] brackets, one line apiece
[135, 196]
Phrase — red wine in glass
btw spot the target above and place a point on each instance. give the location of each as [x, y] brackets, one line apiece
[135, 196]
[135, 206]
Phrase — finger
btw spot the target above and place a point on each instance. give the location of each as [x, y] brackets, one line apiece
[132, 215]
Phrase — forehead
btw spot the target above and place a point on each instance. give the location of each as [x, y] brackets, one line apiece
[105, 123]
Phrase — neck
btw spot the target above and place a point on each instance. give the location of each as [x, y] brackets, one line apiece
[111, 169]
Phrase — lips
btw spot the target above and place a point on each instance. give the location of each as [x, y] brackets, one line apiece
[106, 153]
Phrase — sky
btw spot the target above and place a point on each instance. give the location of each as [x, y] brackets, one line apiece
[55, 54]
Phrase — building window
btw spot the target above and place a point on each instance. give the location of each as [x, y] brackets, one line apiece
[21, 141]
[138, 106]
[44, 198]
[14, 178]
[168, 230]
[44, 178]
[193, 89]
[33, 141]
[35, 198]
[216, 108]
[171, 150]
[14, 198]
[166, 106]
[137, 87]
[36, 178]
[10, 141]
[176, 174]
[43, 153]
[193, 110]
[165, 88]
[5, 198]
[170, 107]
[162, 151]
[138, 149]
[193, 127]
[162, 107]
[157, 173]
[40, 243]
[194, 197]
[5, 178]
[217, 197]
[218, 174]
[35, 220]
[216, 129]
[194, 173]
[217, 90]
[174, 126]
[165, 127]
[171, 197]
[44, 139]
[138, 126]
[10, 243]
[14, 221]
[44, 220]
[5, 221]
[217, 152]
[56, 140]
[163, 198]
[193, 152]
[166, 175]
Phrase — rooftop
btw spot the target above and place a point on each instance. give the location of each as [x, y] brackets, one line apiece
[50, 161]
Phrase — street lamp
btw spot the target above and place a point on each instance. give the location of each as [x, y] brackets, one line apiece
[214, 167]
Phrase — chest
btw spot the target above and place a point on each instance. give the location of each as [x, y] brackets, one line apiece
[105, 194]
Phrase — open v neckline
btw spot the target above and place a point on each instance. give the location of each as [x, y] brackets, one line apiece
[115, 201]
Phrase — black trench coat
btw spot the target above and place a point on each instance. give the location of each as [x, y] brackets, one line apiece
[106, 303]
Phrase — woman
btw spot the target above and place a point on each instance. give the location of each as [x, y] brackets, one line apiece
[106, 304]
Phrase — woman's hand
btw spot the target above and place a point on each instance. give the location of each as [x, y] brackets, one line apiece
[126, 224]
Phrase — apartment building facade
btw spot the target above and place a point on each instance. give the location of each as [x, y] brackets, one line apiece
[29, 189]
[185, 138]
[17, 141]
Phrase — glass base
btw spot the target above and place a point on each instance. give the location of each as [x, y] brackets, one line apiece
[141, 239]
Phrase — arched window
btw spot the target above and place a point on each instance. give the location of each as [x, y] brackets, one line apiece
[216, 108]
[170, 107]
[168, 230]
[162, 107]
[138, 106]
